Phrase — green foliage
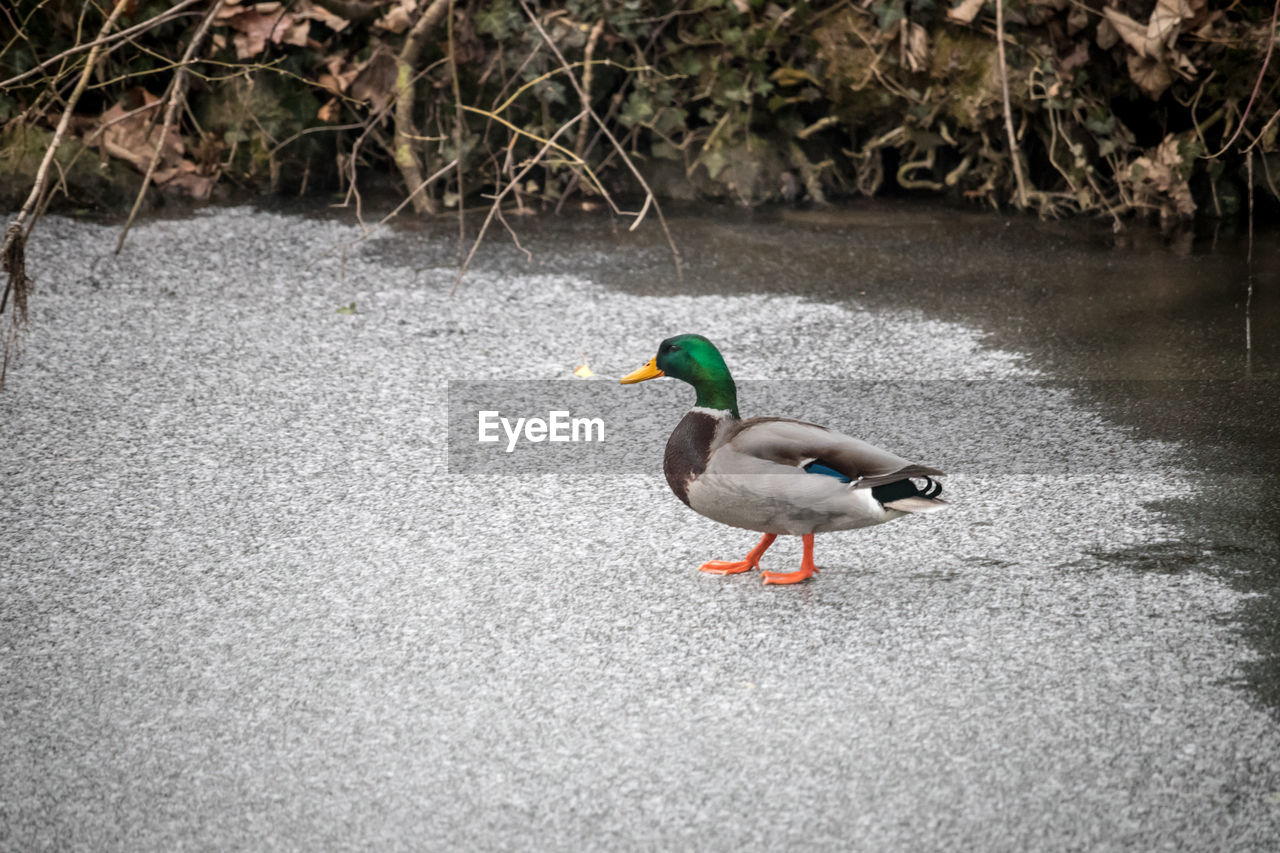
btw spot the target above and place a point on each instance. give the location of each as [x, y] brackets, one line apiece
[499, 20]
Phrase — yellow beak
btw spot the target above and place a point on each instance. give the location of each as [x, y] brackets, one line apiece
[649, 371]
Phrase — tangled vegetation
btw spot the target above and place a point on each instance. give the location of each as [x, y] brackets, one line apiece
[1112, 106]
[1108, 107]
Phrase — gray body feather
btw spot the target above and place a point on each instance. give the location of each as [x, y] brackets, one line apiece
[750, 474]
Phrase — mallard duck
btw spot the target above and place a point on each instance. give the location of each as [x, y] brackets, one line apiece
[775, 475]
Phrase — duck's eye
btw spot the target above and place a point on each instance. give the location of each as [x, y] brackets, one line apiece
[673, 348]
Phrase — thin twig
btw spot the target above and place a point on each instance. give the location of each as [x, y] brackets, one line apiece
[1248, 300]
[42, 173]
[359, 125]
[1257, 86]
[99, 42]
[369, 126]
[588, 70]
[440, 173]
[580, 144]
[515, 238]
[519, 131]
[406, 158]
[14, 250]
[497, 200]
[368, 231]
[675, 252]
[1014, 152]
[457, 132]
[176, 95]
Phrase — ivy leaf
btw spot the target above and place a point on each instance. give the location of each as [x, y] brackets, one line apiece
[888, 14]
[638, 110]
[665, 150]
[714, 161]
[688, 65]
[670, 121]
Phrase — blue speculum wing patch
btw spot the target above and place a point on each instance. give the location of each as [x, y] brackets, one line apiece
[816, 467]
[883, 493]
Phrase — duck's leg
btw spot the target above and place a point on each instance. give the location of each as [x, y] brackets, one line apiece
[807, 568]
[752, 561]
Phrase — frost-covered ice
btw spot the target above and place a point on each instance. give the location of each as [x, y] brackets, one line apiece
[245, 605]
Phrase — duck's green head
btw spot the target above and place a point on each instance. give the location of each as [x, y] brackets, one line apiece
[692, 359]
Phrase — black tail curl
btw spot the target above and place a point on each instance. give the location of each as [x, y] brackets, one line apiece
[922, 487]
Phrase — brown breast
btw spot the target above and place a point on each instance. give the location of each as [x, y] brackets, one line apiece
[687, 451]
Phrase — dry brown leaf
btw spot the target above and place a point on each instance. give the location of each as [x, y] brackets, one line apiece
[129, 133]
[1133, 33]
[295, 32]
[1167, 153]
[1161, 30]
[340, 74]
[1077, 19]
[398, 18]
[195, 185]
[1075, 59]
[132, 135]
[1166, 22]
[232, 10]
[247, 46]
[1153, 76]
[1182, 65]
[1158, 179]
[916, 44]
[307, 9]
[966, 11]
[377, 77]
[1205, 29]
[1106, 35]
[256, 26]
[1150, 64]
[329, 112]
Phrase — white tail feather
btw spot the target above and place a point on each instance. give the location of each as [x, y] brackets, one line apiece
[917, 504]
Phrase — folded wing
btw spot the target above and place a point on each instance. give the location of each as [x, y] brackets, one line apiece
[790, 442]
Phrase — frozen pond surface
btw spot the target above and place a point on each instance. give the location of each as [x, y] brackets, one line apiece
[246, 604]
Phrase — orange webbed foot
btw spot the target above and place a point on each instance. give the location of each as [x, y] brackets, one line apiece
[730, 567]
[807, 567]
[788, 577]
[727, 567]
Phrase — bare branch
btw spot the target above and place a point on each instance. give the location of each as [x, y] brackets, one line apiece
[14, 250]
[496, 207]
[1014, 152]
[657, 209]
[406, 158]
[100, 41]
[176, 94]
[1257, 86]
[457, 133]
